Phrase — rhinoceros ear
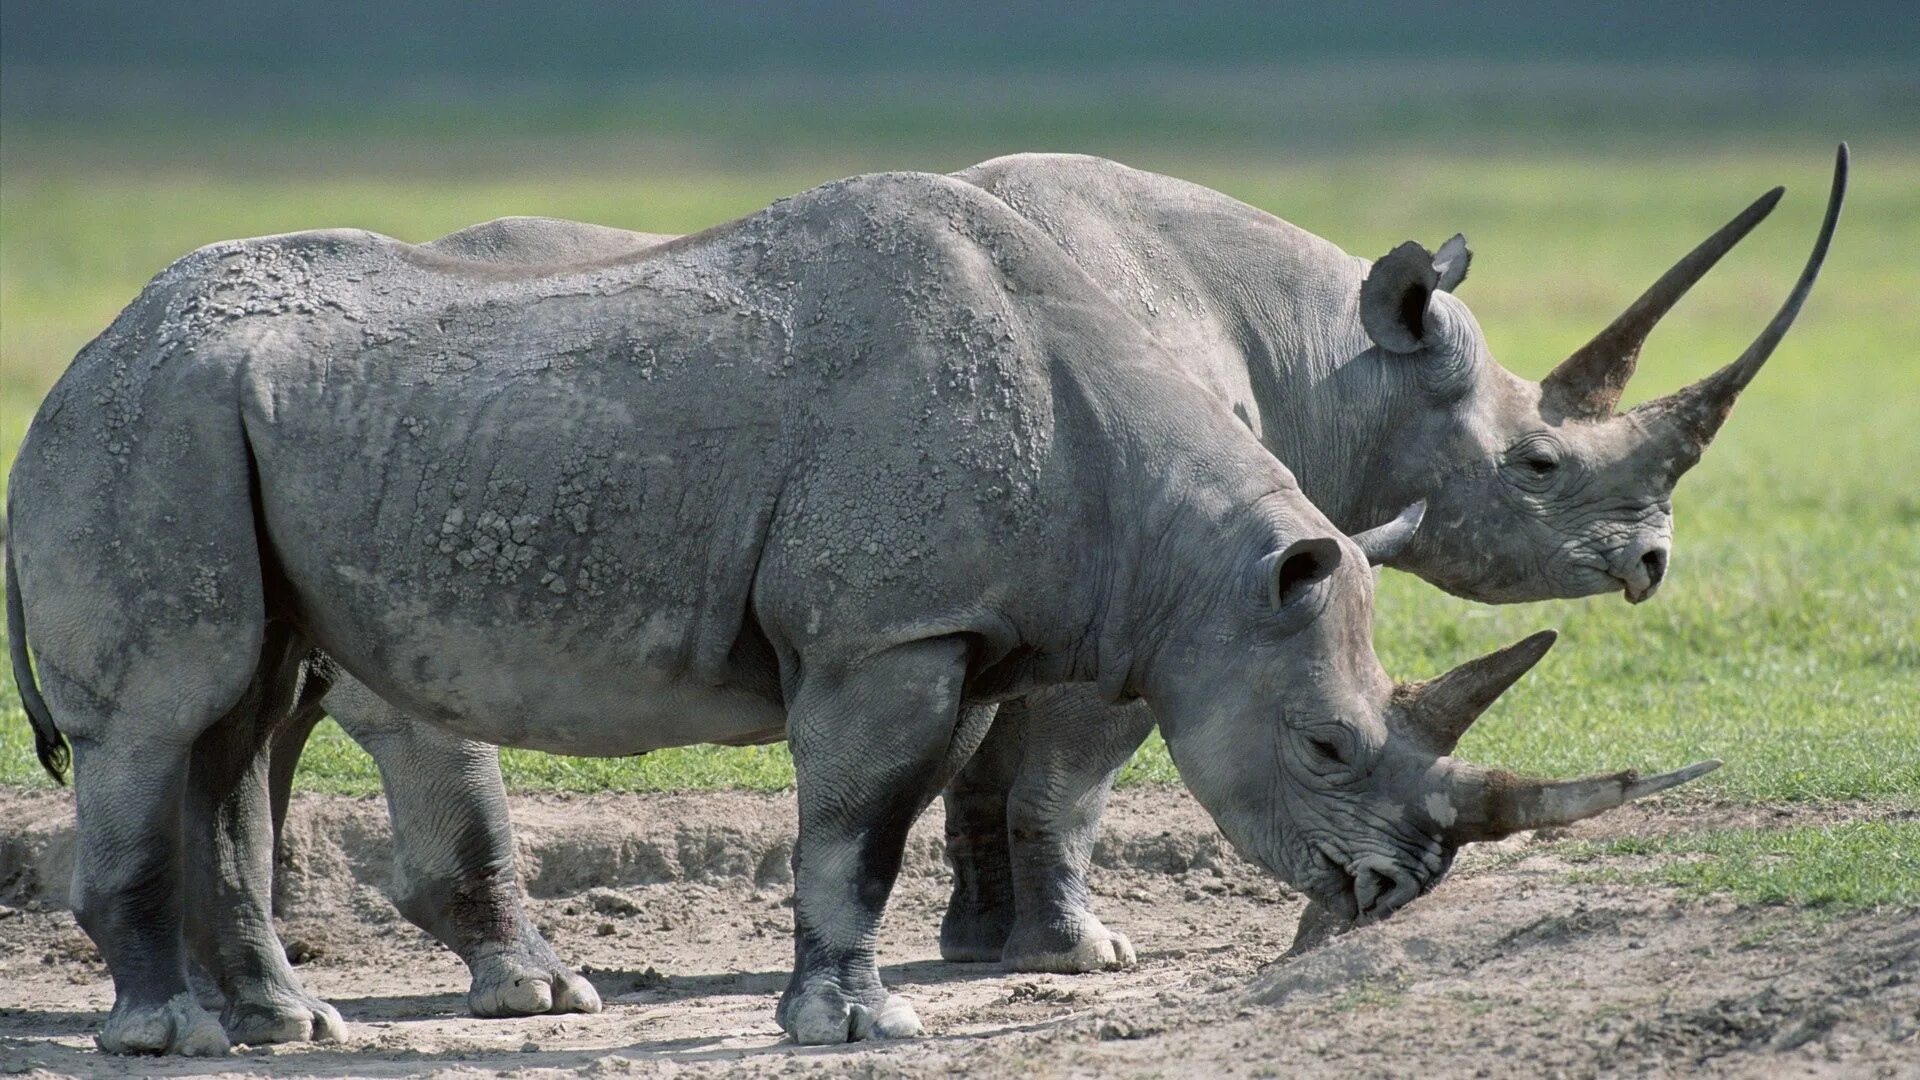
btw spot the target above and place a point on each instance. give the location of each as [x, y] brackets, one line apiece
[1304, 564]
[1451, 262]
[1394, 298]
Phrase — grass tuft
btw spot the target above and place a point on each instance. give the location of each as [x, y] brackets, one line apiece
[1848, 866]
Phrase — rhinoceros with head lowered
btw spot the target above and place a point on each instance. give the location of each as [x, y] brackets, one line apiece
[1371, 381]
[847, 472]
[1376, 387]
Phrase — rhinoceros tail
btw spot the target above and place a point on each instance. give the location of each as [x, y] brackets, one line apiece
[48, 744]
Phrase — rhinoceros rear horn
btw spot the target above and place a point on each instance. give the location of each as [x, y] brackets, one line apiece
[1487, 804]
[1588, 384]
[1383, 542]
[1444, 707]
[1690, 418]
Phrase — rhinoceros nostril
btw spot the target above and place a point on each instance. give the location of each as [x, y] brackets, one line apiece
[1640, 568]
[1655, 562]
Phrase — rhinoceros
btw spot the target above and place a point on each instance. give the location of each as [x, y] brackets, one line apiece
[848, 472]
[1371, 381]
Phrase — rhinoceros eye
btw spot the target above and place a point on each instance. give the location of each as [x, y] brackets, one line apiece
[1327, 750]
[1535, 458]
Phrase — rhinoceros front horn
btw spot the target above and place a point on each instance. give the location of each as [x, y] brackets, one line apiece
[1489, 804]
[1444, 707]
[1688, 419]
[1588, 384]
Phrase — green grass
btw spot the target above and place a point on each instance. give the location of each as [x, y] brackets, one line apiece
[1786, 641]
[1857, 865]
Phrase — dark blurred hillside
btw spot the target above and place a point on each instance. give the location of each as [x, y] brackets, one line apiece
[342, 43]
[766, 76]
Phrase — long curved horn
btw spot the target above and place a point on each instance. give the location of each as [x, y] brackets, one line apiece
[1693, 415]
[1589, 383]
[1444, 707]
[1489, 804]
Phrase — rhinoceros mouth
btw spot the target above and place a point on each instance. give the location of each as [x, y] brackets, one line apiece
[1367, 889]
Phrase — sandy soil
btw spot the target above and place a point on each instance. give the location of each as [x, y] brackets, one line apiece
[677, 908]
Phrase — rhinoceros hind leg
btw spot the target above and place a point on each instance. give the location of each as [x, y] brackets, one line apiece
[137, 550]
[872, 745]
[1075, 745]
[229, 857]
[288, 742]
[980, 914]
[454, 874]
[126, 893]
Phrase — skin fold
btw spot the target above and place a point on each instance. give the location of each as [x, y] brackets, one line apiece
[851, 471]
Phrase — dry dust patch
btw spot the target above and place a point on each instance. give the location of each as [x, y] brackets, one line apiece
[677, 907]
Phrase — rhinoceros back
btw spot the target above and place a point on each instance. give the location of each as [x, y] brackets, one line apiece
[533, 495]
[542, 241]
[496, 489]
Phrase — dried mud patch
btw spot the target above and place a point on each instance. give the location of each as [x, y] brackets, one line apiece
[677, 908]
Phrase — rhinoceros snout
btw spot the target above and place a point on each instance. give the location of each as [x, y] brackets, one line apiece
[1371, 887]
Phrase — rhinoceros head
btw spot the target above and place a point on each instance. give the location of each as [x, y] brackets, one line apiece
[1539, 490]
[1317, 766]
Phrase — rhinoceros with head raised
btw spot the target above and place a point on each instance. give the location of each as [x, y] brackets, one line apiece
[847, 472]
[1372, 382]
[1376, 387]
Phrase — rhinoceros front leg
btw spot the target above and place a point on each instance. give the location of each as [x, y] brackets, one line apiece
[1319, 924]
[1074, 746]
[872, 744]
[454, 874]
[1022, 819]
[229, 871]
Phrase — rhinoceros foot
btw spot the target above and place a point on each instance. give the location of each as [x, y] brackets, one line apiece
[519, 982]
[175, 1026]
[1080, 947]
[824, 1014]
[281, 1014]
[971, 934]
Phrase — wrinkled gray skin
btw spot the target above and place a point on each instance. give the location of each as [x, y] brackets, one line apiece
[1536, 490]
[848, 471]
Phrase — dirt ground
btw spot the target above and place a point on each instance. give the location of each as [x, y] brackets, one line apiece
[677, 908]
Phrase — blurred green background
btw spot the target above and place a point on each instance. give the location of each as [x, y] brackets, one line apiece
[1580, 148]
